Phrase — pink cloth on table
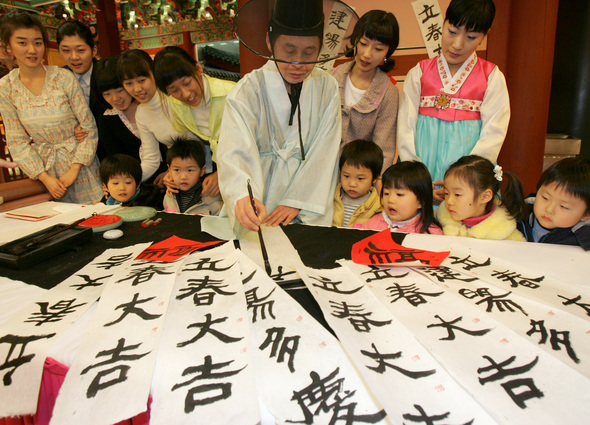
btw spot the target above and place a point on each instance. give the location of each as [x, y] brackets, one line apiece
[54, 374]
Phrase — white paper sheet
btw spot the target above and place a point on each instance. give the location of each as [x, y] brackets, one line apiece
[27, 336]
[111, 376]
[204, 373]
[290, 347]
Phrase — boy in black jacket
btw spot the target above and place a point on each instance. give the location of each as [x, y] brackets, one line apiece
[560, 211]
[121, 179]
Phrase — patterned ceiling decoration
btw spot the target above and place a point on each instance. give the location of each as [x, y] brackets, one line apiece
[144, 24]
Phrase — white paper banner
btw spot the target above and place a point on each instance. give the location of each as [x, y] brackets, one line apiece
[564, 336]
[204, 375]
[111, 376]
[334, 34]
[26, 337]
[287, 344]
[519, 280]
[430, 20]
[403, 375]
[467, 342]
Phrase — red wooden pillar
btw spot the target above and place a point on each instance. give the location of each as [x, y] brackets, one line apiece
[108, 31]
[249, 60]
[522, 42]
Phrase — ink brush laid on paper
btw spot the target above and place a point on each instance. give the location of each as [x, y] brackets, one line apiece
[262, 246]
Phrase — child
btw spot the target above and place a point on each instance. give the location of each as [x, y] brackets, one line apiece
[454, 104]
[355, 198]
[186, 167]
[471, 206]
[369, 97]
[406, 196]
[560, 212]
[45, 104]
[121, 179]
[196, 103]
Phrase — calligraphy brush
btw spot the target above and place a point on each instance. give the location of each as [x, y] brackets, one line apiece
[262, 246]
[32, 244]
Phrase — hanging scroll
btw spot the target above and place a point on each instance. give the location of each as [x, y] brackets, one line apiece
[430, 20]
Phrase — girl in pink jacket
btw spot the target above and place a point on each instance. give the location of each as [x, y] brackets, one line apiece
[406, 197]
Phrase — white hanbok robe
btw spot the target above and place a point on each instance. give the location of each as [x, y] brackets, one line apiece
[256, 143]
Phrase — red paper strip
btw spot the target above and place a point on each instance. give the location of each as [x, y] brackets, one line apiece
[172, 249]
[381, 250]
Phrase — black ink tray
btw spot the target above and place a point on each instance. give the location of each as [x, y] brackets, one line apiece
[16, 255]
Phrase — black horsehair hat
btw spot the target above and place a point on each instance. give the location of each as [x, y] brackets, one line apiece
[331, 20]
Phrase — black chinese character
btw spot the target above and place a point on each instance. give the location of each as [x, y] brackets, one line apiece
[443, 274]
[434, 32]
[257, 304]
[337, 18]
[428, 13]
[450, 327]
[206, 327]
[509, 386]
[331, 286]
[382, 364]
[204, 290]
[205, 264]
[13, 364]
[206, 371]
[356, 316]
[332, 40]
[422, 417]
[574, 301]
[54, 313]
[328, 395]
[114, 261]
[145, 273]
[382, 274]
[281, 344]
[411, 293]
[131, 308]
[120, 371]
[382, 256]
[468, 263]
[516, 279]
[557, 338]
[492, 300]
[89, 282]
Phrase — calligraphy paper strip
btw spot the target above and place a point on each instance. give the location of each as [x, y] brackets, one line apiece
[563, 335]
[467, 341]
[402, 374]
[335, 34]
[111, 375]
[283, 257]
[27, 336]
[381, 249]
[172, 249]
[204, 373]
[303, 375]
[430, 20]
[519, 280]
